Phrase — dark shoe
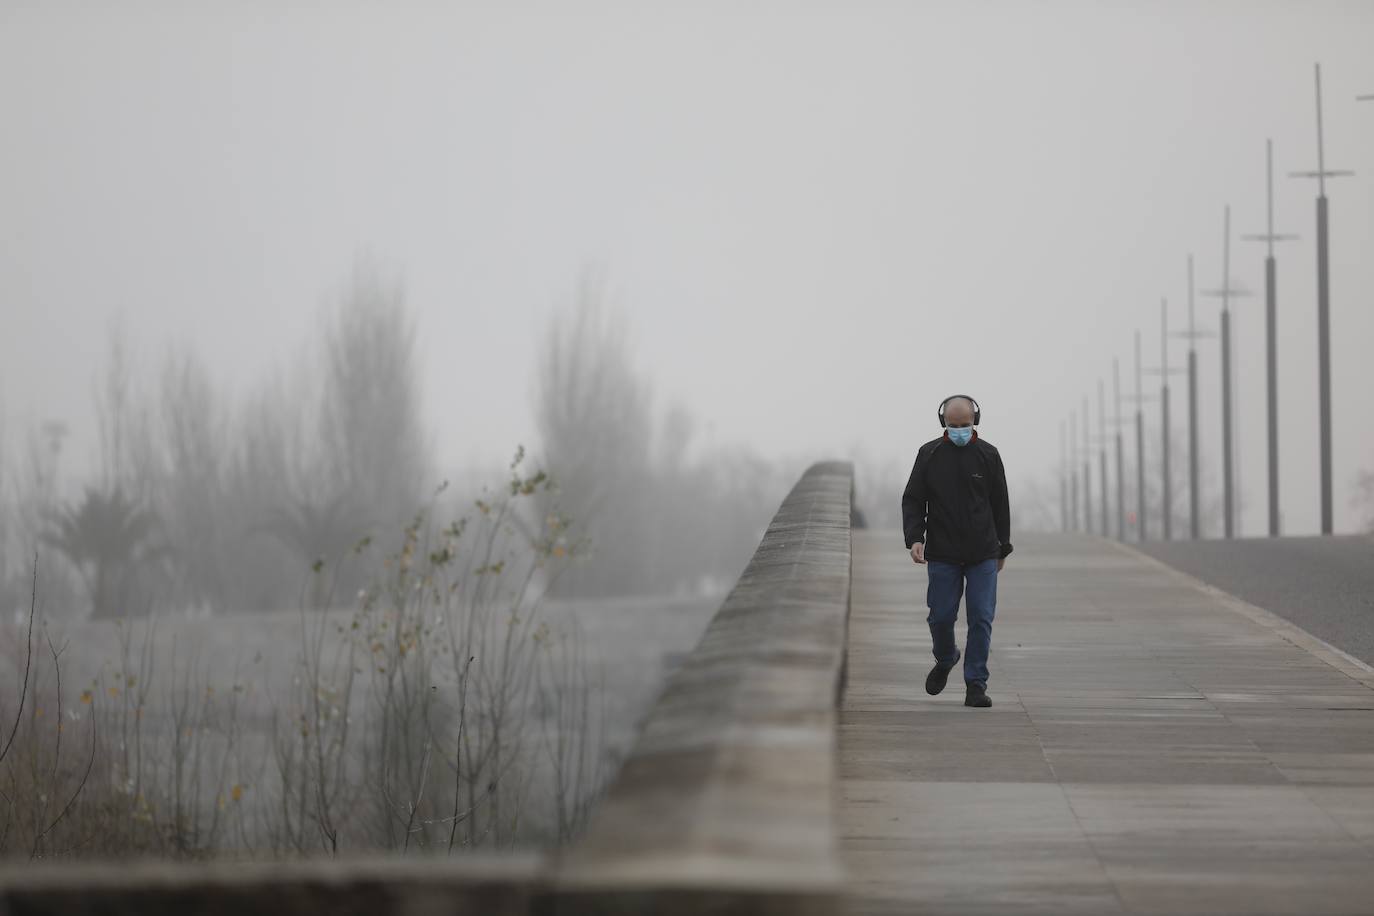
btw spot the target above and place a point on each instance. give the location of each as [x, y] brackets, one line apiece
[977, 695]
[935, 680]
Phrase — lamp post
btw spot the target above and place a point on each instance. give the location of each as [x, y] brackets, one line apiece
[1063, 483]
[1102, 452]
[1269, 237]
[1227, 459]
[1164, 370]
[1140, 526]
[1087, 474]
[1073, 475]
[1323, 311]
[1120, 481]
[1193, 335]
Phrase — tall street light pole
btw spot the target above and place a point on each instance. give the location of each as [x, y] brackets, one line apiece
[1063, 482]
[1073, 474]
[1193, 335]
[1140, 526]
[1102, 452]
[1323, 312]
[1087, 475]
[1120, 475]
[1166, 505]
[1227, 459]
[1271, 336]
[1164, 371]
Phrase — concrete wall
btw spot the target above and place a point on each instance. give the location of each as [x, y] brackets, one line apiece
[730, 789]
[726, 805]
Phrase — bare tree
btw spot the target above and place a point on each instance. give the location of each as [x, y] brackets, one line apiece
[370, 408]
[328, 453]
[661, 515]
[259, 478]
[193, 426]
[593, 413]
[129, 458]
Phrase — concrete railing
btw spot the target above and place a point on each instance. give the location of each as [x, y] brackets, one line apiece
[727, 803]
[730, 792]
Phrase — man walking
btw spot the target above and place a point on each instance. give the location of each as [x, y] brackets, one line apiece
[958, 524]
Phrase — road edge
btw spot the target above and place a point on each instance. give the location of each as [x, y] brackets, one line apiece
[1285, 629]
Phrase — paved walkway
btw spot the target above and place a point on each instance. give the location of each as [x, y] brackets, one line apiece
[1154, 747]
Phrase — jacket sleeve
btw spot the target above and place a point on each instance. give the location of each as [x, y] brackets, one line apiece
[1001, 507]
[914, 502]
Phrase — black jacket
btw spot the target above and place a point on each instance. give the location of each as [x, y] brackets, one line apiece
[956, 502]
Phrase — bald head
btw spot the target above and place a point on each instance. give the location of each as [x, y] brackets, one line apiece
[959, 412]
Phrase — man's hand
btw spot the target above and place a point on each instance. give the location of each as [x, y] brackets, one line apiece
[918, 552]
[1000, 563]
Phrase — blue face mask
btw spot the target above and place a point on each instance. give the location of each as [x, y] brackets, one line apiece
[960, 435]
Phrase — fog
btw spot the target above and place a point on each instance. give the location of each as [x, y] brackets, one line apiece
[818, 219]
[290, 285]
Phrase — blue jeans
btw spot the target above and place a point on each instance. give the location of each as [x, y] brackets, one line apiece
[942, 596]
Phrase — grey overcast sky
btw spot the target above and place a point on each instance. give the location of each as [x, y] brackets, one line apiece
[820, 218]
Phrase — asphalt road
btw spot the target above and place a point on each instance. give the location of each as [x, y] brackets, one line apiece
[1324, 585]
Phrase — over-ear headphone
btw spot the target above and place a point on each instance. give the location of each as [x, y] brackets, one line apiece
[977, 411]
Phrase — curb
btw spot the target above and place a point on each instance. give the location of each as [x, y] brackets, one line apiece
[1342, 661]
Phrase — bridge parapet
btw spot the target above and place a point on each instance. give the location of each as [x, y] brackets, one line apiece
[730, 792]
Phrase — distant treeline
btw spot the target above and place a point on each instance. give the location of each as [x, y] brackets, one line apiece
[210, 503]
[662, 512]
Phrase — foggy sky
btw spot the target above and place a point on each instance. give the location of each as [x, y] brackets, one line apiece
[820, 218]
